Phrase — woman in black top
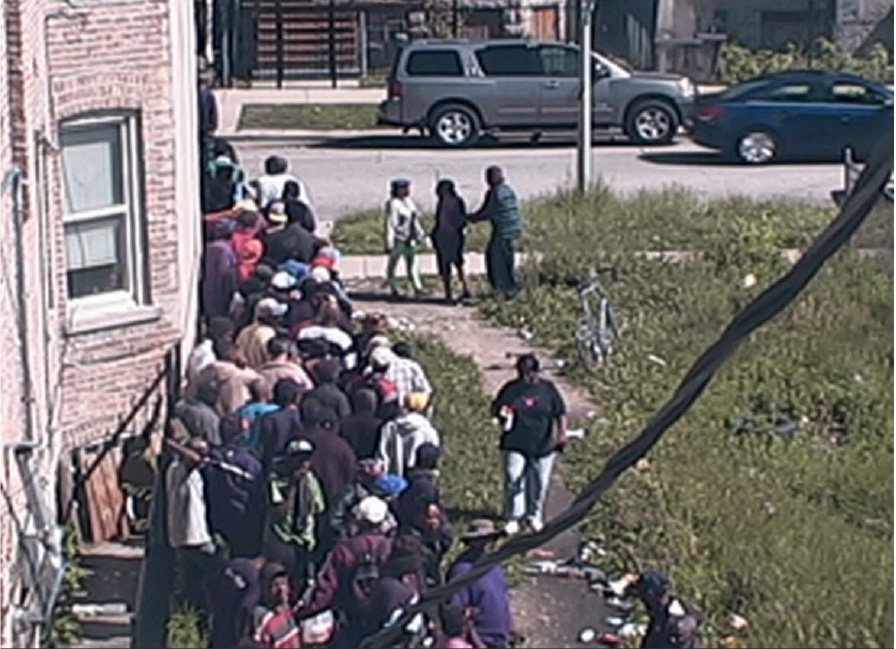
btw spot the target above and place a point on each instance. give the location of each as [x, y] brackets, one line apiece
[448, 235]
[533, 415]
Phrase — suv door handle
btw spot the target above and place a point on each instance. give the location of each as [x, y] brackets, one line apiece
[553, 84]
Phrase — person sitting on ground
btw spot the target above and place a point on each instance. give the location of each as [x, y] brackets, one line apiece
[282, 426]
[486, 601]
[253, 340]
[333, 462]
[198, 413]
[673, 622]
[404, 234]
[361, 429]
[401, 437]
[271, 185]
[327, 328]
[284, 241]
[534, 420]
[261, 403]
[231, 375]
[454, 629]
[351, 570]
[448, 236]
[296, 499]
[326, 373]
[274, 623]
[297, 210]
[282, 364]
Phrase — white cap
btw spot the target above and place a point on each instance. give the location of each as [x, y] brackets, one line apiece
[320, 274]
[372, 510]
[282, 280]
[381, 356]
[268, 306]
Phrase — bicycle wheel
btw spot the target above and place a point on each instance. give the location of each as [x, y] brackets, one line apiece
[588, 348]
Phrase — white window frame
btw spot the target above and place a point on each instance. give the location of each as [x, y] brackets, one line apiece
[131, 210]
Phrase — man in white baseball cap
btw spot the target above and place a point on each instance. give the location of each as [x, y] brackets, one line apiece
[253, 340]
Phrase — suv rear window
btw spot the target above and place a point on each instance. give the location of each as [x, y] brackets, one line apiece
[434, 63]
[509, 61]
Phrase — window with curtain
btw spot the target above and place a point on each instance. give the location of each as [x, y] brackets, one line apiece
[102, 208]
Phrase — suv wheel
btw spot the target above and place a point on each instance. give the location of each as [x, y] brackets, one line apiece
[651, 121]
[455, 126]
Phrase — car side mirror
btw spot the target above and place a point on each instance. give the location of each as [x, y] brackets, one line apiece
[600, 72]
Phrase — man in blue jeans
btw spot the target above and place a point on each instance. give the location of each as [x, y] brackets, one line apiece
[533, 415]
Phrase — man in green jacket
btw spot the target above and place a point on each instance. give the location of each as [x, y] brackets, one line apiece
[502, 208]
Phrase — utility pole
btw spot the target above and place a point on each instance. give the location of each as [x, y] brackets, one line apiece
[583, 167]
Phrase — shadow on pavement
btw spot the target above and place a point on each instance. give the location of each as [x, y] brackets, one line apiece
[717, 159]
[410, 141]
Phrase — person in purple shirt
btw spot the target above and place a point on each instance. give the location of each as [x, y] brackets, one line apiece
[486, 600]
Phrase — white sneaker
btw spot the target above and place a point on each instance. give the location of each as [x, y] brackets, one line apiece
[536, 525]
[511, 528]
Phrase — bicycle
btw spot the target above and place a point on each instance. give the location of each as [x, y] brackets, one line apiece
[599, 324]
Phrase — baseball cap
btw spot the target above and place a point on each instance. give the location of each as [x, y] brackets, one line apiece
[277, 213]
[381, 357]
[371, 509]
[269, 307]
[283, 280]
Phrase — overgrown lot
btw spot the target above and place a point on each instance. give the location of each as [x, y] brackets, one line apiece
[794, 533]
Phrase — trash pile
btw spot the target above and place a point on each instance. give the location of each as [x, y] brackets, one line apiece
[627, 626]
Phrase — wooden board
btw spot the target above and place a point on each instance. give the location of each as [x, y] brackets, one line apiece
[104, 499]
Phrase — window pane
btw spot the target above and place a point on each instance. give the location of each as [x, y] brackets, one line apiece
[798, 92]
[854, 93]
[445, 63]
[509, 61]
[96, 259]
[560, 62]
[92, 168]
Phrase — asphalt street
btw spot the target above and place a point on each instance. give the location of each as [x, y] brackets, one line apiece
[349, 173]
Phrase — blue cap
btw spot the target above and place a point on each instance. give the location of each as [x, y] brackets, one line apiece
[295, 268]
[400, 183]
[389, 485]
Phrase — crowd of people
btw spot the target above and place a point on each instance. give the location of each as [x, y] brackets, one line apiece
[303, 494]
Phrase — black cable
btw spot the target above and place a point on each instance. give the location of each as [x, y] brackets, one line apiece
[763, 308]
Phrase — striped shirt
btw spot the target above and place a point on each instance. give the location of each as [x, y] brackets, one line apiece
[276, 628]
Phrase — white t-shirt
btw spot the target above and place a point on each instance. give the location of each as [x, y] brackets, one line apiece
[271, 189]
[187, 524]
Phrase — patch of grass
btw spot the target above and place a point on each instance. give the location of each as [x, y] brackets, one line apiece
[310, 117]
[186, 629]
[767, 527]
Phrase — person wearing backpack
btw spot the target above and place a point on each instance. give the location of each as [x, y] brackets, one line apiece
[403, 234]
[351, 571]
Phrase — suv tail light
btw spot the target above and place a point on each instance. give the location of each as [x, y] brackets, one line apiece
[710, 112]
[396, 90]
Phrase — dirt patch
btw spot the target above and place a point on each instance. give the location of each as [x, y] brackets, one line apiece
[549, 612]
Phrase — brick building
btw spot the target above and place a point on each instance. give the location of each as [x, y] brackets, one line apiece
[99, 251]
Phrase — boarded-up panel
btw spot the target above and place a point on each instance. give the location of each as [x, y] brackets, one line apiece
[103, 496]
[546, 23]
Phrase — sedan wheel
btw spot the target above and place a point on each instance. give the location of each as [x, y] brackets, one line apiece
[757, 147]
[455, 126]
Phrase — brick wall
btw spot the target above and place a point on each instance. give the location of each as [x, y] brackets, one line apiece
[60, 61]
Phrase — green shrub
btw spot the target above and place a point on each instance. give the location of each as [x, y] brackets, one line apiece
[739, 63]
[774, 529]
[186, 629]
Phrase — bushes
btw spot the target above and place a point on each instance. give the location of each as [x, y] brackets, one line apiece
[739, 63]
[772, 528]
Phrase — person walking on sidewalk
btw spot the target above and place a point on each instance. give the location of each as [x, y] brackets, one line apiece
[502, 208]
[533, 415]
[448, 236]
[403, 234]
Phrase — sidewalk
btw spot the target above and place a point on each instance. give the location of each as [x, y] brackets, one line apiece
[232, 100]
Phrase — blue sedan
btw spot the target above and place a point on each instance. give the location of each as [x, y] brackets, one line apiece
[807, 115]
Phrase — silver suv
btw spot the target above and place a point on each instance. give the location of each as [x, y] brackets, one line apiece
[458, 89]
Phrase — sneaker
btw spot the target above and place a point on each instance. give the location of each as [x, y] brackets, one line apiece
[511, 528]
[536, 525]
